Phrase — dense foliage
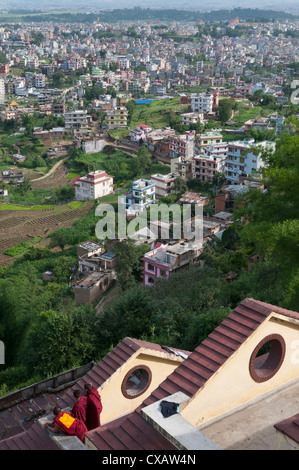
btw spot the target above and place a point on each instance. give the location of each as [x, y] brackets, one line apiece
[257, 257]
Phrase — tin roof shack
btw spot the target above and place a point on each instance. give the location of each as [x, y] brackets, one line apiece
[48, 276]
[194, 198]
[90, 289]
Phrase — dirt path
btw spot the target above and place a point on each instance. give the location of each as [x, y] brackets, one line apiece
[52, 170]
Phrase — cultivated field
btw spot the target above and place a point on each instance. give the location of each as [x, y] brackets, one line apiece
[24, 225]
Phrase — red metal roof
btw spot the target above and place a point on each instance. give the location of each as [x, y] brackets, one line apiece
[290, 427]
[31, 439]
[130, 432]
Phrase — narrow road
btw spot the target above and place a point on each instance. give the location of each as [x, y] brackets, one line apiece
[50, 172]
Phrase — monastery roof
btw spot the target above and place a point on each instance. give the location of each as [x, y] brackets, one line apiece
[132, 431]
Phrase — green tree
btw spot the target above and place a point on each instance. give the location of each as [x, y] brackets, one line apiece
[143, 162]
[129, 270]
[63, 341]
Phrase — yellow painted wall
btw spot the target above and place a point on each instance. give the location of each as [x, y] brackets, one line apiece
[114, 402]
[232, 385]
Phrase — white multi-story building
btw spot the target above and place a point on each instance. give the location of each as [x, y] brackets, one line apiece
[164, 184]
[202, 102]
[191, 118]
[94, 185]
[77, 121]
[244, 158]
[40, 80]
[139, 197]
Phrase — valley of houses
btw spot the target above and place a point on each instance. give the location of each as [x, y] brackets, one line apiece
[142, 68]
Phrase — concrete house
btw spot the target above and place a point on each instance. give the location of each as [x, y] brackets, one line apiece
[90, 289]
[164, 260]
[94, 185]
[139, 197]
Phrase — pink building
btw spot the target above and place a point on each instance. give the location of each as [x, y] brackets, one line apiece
[212, 161]
[182, 145]
[164, 260]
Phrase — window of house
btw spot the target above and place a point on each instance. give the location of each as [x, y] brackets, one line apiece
[267, 358]
[136, 381]
[150, 267]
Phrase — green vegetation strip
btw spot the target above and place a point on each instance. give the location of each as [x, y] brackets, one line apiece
[21, 247]
[11, 207]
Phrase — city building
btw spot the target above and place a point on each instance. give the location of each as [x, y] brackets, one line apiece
[164, 184]
[117, 118]
[212, 161]
[77, 122]
[139, 197]
[164, 260]
[202, 102]
[182, 145]
[205, 139]
[244, 158]
[188, 119]
[94, 185]
[139, 133]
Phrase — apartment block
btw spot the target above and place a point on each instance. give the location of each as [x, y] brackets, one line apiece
[212, 161]
[58, 108]
[77, 121]
[191, 118]
[164, 184]
[182, 145]
[203, 140]
[202, 102]
[117, 118]
[139, 197]
[243, 158]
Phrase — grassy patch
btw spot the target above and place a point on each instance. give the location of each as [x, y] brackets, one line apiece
[11, 207]
[21, 247]
[157, 114]
[75, 205]
[72, 175]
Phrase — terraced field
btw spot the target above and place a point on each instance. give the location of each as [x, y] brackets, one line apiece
[23, 225]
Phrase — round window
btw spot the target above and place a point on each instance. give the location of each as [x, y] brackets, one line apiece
[267, 358]
[136, 381]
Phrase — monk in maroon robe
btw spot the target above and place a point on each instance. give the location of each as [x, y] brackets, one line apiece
[79, 408]
[65, 422]
[94, 407]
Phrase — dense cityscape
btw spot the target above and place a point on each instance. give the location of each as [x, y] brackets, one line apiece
[151, 119]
